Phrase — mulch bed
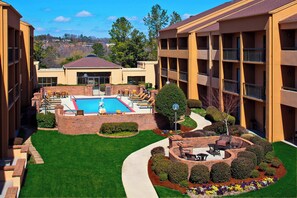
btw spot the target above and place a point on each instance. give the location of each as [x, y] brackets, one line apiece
[280, 172]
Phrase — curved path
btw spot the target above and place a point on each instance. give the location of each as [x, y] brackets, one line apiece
[134, 170]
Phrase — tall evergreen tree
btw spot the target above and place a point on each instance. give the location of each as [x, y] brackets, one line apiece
[174, 18]
[99, 50]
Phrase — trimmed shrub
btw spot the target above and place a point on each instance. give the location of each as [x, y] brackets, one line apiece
[241, 168]
[117, 127]
[276, 163]
[158, 150]
[163, 177]
[247, 136]
[255, 174]
[214, 115]
[177, 172]
[47, 120]
[199, 174]
[237, 130]
[184, 183]
[269, 157]
[267, 146]
[258, 150]
[162, 166]
[263, 166]
[218, 127]
[156, 158]
[102, 87]
[220, 172]
[270, 171]
[249, 155]
[167, 96]
[192, 103]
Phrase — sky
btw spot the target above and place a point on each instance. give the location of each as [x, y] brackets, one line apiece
[95, 17]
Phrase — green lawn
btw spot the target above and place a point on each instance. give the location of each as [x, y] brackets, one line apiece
[189, 122]
[199, 111]
[80, 166]
[166, 192]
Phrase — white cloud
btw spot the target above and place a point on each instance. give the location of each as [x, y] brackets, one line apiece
[132, 18]
[61, 19]
[83, 13]
[185, 16]
[40, 29]
[112, 18]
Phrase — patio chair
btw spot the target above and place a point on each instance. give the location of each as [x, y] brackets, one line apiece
[145, 102]
[137, 97]
[190, 156]
[223, 142]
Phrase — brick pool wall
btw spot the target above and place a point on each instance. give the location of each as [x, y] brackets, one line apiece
[75, 125]
[71, 90]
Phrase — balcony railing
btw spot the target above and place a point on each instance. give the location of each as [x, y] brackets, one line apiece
[164, 72]
[290, 88]
[231, 54]
[183, 76]
[289, 48]
[254, 91]
[16, 88]
[10, 97]
[16, 54]
[254, 54]
[10, 55]
[231, 86]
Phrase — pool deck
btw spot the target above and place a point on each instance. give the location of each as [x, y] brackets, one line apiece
[68, 104]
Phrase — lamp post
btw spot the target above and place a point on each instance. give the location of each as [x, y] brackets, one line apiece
[86, 77]
[167, 82]
[175, 107]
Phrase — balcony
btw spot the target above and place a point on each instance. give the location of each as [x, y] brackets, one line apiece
[10, 97]
[231, 54]
[172, 74]
[16, 54]
[254, 91]
[16, 88]
[215, 82]
[203, 79]
[10, 55]
[183, 76]
[289, 56]
[231, 86]
[289, 96]
[164, 72]
[202, 54]
[254, 54]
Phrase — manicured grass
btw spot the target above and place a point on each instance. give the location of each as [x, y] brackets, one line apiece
[285, 187]
[166, 192]
[189, 122]
[199, 111]
[80, 166]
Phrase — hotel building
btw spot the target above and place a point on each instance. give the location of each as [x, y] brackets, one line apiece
[244, 48]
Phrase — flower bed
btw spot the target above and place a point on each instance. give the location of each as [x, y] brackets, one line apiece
[232, 189]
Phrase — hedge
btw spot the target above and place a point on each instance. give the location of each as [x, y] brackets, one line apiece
[241, 168]
[162, 166]
[200, 174]
[192, 103]
[158, 150]
[214, 115]
[220, 172]
[116, 127]
[177, 172]
[47, 120]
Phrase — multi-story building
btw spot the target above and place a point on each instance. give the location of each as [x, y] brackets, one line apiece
[16, 41]
[244, 48]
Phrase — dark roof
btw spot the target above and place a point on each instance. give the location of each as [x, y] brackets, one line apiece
[213, 20]
[290, 19]
[92, 62]
[203, 14]
[211, 28]
[263, 7]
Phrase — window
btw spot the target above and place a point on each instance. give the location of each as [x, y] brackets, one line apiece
[47, 81]
[135, 80]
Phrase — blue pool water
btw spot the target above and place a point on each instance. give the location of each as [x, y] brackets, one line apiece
[91, 105]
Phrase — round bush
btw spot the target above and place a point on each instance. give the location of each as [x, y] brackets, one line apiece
[255, 174]
[270, 171]
[218, 127]
[241, 168]
[157, 157]
[177, 172]
[249, 155]
[269, 157]
[220, 172]
[267, 146]
[247, 136]
[158, 150]
[258, 150]
[192, 103]
[162, 166]
[184, 183]
[237, 130]
[167, 96]
[263, 166]
[199, 174]
[47, 120]
[276, 163]
[163, 177]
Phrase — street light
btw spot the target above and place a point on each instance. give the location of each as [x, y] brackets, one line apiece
[168, 82]
[175, 107]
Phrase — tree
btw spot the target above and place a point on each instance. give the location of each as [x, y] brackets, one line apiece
[174, 18]
[39, 53]
[99, 50]
[155, 21]
[120, 30]
[167, 96]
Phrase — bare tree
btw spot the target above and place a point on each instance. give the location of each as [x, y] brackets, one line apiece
[228, 106]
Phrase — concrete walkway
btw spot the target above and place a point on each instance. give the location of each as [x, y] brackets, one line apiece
[134, 170]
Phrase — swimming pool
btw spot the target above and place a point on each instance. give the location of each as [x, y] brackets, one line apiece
[92, 105]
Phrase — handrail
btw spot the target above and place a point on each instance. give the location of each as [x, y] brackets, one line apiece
[289, 88]
[229, 80]
[72, 96]
[69, 108]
